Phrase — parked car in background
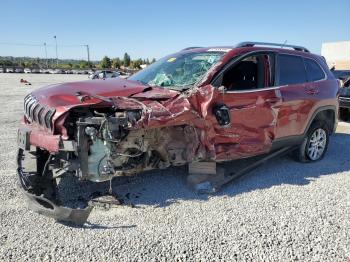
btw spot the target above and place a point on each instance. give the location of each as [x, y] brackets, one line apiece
[44, 71]
[35, 70]
[2, 70]
[19, 70]
[104, 74]
[344, 94]
[344, 100]
[59, 71]
[27, 70]
[9, 70]
[341, 74]
[210, 104]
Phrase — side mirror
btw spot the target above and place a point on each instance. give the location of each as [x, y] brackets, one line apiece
[222, 114]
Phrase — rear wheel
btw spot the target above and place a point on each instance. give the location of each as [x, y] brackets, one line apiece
[314, 145]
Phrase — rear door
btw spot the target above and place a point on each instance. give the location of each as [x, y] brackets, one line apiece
[246, 107]
[296, 98]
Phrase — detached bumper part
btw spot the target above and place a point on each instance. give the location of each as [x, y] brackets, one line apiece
[43, 205]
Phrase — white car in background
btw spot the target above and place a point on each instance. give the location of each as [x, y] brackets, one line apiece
[44, 71]
[27, 70]
[9, 70]
[2, 70]
[59, 71]
[35, 70]
[104, 74]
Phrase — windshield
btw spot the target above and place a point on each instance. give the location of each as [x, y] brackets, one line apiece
[178, 71]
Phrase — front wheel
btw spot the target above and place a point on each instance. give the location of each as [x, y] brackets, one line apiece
[314, 145]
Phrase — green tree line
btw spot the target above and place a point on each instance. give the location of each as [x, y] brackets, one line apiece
[106, 62]
[117, 62]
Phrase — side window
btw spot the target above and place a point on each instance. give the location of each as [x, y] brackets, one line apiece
[291, 70]
[314, 71]
[250, 73]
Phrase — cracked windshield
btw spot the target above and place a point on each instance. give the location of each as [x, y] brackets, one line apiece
[178, 72]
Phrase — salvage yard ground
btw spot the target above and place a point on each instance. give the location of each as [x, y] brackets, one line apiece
[282, 211]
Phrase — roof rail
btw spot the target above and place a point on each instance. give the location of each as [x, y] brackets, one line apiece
[191, 47]
[295, 47]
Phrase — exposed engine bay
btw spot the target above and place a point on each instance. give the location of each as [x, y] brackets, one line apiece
[108, 146]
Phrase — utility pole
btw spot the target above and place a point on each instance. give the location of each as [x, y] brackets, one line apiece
[88, 54]
[56, 50]
[47, 65]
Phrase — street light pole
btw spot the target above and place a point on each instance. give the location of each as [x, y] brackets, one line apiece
[47, 65]
[56, 50]
[88, 53]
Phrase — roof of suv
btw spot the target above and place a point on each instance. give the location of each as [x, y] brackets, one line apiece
[251, 44]
[246, 47]
[255, 46]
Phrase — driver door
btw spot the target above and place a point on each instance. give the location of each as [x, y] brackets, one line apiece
[246, 108]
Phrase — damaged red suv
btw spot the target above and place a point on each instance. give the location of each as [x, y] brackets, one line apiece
[200, 104]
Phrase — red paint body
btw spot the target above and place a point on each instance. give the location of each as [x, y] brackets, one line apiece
[258, 117]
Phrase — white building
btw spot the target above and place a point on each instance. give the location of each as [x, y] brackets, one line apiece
[338, 54]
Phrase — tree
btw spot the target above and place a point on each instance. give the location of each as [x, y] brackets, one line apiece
[153, 60]
[84, 65]
[116, 63]
[106, 62]
[127, 60]
[137, 63]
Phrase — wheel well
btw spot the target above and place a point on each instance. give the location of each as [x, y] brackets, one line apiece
[327, 116]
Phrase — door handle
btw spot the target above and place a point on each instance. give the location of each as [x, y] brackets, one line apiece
[311, 90]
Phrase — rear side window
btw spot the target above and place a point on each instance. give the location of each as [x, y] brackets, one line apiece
[314, 71]
[291, 70]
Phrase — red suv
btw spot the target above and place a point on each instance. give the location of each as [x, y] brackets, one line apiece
[200, 104]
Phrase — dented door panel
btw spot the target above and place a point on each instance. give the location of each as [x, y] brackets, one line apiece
[253, 123]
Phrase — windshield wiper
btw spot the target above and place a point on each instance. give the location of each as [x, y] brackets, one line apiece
[179, 88]
[142, 82]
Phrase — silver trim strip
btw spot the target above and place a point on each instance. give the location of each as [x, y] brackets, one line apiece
[255, 90]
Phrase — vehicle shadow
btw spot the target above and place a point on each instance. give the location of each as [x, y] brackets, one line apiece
[89, 225]
[162, 188]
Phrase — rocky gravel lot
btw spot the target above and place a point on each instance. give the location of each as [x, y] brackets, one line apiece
[282, 211]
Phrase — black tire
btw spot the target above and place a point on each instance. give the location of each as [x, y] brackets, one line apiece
[302, 153]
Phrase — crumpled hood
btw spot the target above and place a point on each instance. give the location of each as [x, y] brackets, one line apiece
[65, 94]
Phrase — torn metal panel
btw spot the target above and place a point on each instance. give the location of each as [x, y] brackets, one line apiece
[42, 139]
[44, 206]
[40, 192]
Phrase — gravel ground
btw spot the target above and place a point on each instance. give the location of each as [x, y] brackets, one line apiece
[283, 211]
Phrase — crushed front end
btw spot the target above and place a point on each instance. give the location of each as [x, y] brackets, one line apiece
[97, 140]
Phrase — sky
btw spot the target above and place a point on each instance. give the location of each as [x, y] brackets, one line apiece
[147, 29]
